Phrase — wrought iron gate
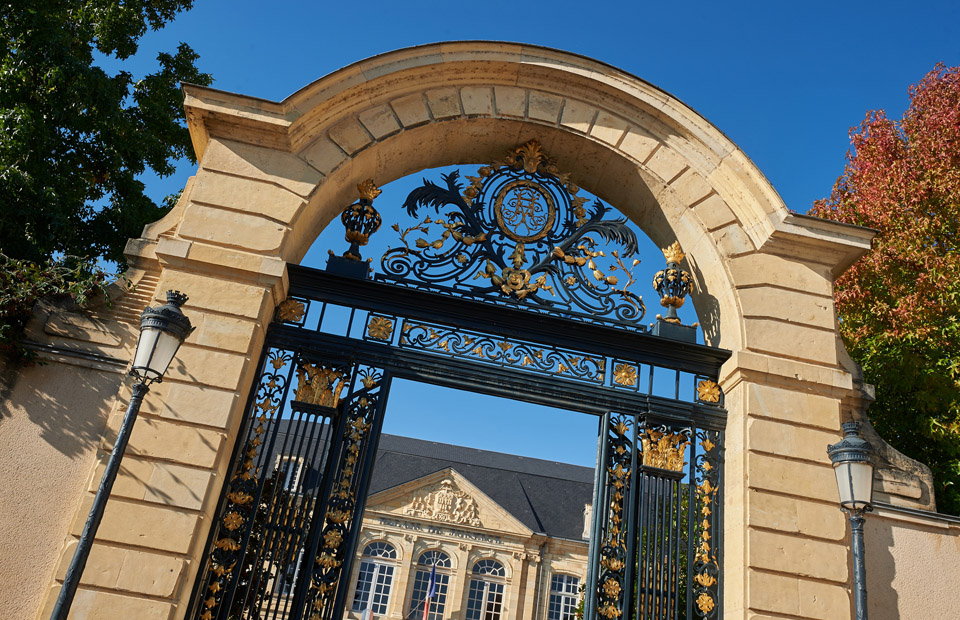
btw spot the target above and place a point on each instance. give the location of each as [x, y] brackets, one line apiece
[552, 320]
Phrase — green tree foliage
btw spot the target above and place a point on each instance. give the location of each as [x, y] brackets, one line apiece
[74, 137]
[899, 306]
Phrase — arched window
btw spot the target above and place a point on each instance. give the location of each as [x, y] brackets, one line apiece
[375, 578]
[485, 601]
[563, 597]
[429, 561]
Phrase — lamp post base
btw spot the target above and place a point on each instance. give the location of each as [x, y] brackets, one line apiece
[85, 544]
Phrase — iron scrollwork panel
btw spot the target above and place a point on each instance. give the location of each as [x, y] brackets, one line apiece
[285, 526]
[336, 527]
[658, 525]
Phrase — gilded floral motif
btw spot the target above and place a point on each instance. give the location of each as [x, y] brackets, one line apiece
[625, 374]
[705, 603]
[708, 391]
[380, 328]
[232, 520]
[291, 311]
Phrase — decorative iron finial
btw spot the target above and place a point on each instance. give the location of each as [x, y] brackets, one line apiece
[361, 220]
[673, 253]
[528, 156]
[368, 190]
[672, 284]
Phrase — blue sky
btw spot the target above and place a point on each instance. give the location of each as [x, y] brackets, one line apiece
[785, 81]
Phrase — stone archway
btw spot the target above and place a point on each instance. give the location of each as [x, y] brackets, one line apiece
[272, 175]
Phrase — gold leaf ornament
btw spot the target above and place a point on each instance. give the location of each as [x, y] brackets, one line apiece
[708, 391]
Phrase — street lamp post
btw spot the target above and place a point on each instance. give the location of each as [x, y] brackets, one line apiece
[162, 331]
[853, 466]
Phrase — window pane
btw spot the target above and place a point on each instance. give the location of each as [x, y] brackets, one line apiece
[563, 597]
[494, 601]
[364, 581]
[421, 584]
[475, 600]
[380, 549]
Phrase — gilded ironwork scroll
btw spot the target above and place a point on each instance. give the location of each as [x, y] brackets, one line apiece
[343, 510]
[706, 564]
[238, 515]
[480, 347]
[519, 233]
[267, 505]
[618, 467]
[658, 523]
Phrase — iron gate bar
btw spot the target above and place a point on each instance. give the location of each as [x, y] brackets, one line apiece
[504, 321]
[491, 380]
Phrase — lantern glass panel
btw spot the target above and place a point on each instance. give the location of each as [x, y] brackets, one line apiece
[155, 351]
[855, 483]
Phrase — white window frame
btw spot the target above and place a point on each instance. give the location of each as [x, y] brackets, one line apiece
[379, 566]
[568, 601]
[486, 582]
[291, 477]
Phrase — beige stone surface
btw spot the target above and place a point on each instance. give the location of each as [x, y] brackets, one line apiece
[765, 472]
[97, 605]
[189, 402]
[379, 121]
[128, 570]
[350, 136]
[324, 155]
[233, 230]
[510, 101]
[790, 340]
[411, 110]
[666, 163]
[545, 107]
[264, 164]
[578, 115]
[219, 295]
[797, 515]
[608, 128]
[158, 438]
[790, 306]
[787, 595]
[794, 405]
[788, 440]
[246, 195]
[804, 557]
[444, 102]
[49, 431]
[477, 101]
[147, 526]
[912, 567]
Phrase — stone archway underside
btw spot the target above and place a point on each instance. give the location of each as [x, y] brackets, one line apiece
[272, 175]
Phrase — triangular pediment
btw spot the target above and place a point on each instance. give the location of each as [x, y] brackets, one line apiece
[445, 498]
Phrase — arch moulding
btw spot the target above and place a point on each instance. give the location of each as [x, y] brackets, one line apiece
[272, 175]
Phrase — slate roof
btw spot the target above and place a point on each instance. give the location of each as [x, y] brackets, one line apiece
[546, 496]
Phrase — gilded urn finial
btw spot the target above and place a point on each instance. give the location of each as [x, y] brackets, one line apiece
[672, 284]
[361, 219]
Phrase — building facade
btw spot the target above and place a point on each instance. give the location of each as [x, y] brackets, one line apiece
[506, 534]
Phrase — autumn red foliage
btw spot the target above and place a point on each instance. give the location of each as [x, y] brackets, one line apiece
[899, 306]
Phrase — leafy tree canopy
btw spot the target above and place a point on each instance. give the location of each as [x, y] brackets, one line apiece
[899, 306]
[73, 137]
